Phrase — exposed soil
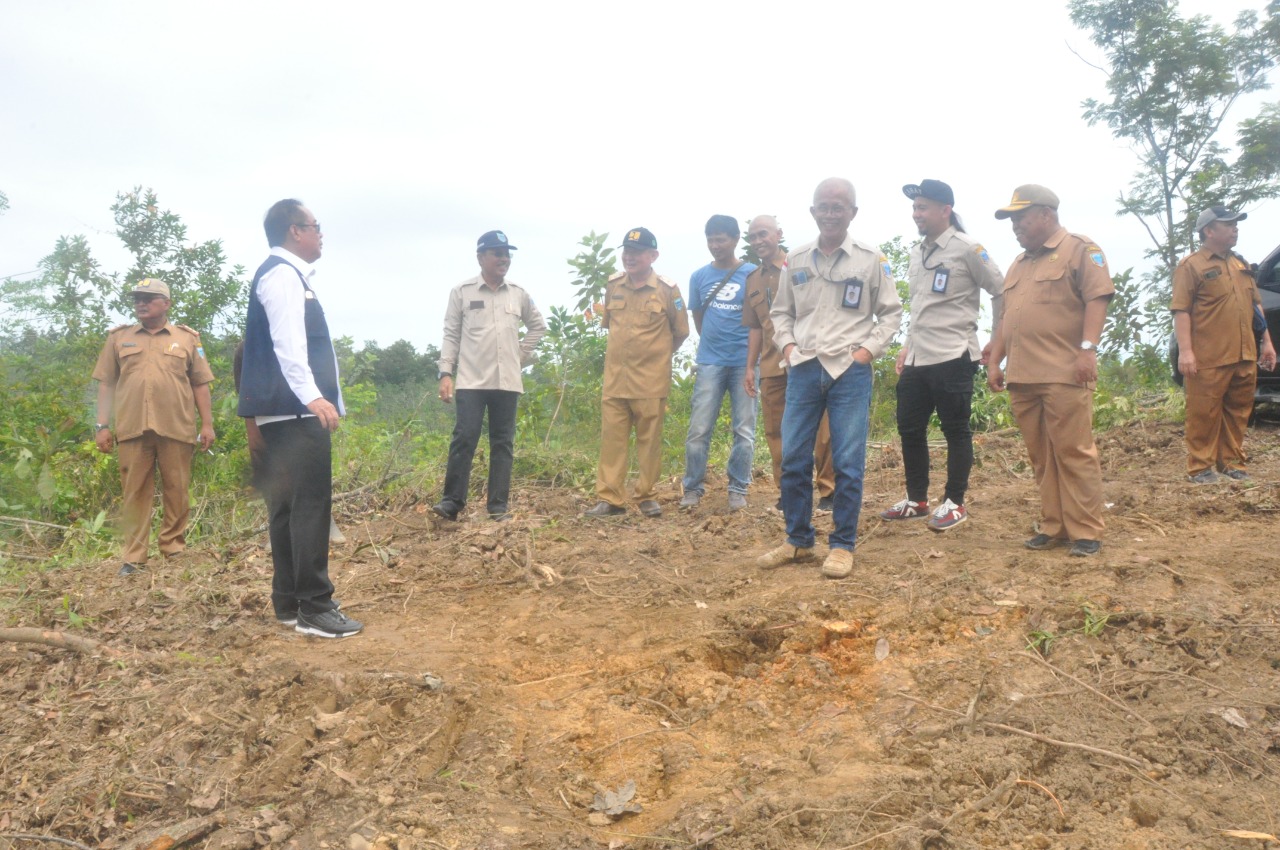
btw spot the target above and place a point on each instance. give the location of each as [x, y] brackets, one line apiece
[510, 675]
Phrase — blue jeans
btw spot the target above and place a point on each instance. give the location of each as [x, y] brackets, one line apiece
[709, 387]
[847, 400]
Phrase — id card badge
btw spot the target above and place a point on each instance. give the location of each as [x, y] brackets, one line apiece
[852, 294]
[940, 278]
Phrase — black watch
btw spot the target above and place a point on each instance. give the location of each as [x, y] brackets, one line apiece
[100, 427]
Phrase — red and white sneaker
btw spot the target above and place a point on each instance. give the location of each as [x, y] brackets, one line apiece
[948, 515]
[906, 509]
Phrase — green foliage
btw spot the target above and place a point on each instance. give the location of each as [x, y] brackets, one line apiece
[1172, 82]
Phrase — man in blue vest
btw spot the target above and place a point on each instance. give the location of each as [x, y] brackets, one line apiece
[290, 387]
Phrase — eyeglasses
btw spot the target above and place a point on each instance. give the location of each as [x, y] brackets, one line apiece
[144, 298]
[314, 224]
[831, 209]
[498, 252]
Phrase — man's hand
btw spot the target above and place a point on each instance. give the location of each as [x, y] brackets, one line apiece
[325, 412]
[861, 355]
[446, 389]
[105, 440]
[1086, 366]
[901, 361]
[206, 437]
[1187, 360]
[749, 382]
[786, 353]
[995, 378]
[986, 353]
[1267, 360]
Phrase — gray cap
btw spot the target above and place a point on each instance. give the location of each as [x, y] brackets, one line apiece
[1028, 195]
[1213, 214]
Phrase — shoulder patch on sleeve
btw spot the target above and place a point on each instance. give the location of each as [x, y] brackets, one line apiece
[1096, 255]
[617, 276]
[981, 252]
[884, 264]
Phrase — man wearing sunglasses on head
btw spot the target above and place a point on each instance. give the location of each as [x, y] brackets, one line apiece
[480, 363]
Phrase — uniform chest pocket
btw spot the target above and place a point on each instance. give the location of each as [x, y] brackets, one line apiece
[510, 316]
[129, 358]
[1051, 285]
[1213, 289]
[175, 360]
[477, 319]
[642, 315]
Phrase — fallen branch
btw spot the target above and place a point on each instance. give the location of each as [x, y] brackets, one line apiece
[1129, 711]
[59, 640]
[1066, 744]
[25, 836]
[17, 520]
[166, 838]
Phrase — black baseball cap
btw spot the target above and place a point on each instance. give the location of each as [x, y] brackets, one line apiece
[640, 237]
[934, 190]
[493, 239]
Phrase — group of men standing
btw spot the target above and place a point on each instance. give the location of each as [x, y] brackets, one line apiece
[811, 322]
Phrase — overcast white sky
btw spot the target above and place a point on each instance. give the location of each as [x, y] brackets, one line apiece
[409, 129]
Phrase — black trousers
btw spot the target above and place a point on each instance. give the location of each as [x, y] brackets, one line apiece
[948, 389]
[471, 406]
[298, 489]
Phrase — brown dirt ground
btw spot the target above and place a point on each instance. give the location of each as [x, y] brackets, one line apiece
[751, 709]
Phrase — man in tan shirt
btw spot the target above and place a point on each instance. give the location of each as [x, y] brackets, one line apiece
[480, 363]
[949, 271]
[152, 380]
[837, 310]
[1214, 302]
[765, 238]
[647, 321]
[1055, 305]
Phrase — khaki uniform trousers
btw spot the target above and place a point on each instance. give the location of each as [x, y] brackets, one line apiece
[617, 417]
[139, 458]
[1219, 401]
[773, 400]
[1056, 421]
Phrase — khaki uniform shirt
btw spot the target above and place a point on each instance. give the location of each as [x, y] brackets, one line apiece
[1219, 293]
[1044, 296]
[482, 346]
[762, 288]
[153, 375]
[946, 279]
[828, 306]
[646, 324]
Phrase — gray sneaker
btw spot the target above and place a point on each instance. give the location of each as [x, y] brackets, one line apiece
[1205, 476]
[690, 500]
[327, 624]
[737, 501]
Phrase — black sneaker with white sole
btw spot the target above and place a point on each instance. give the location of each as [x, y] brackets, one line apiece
[287, 619]
[327, 624]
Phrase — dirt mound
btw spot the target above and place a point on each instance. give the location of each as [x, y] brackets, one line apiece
[561, 683]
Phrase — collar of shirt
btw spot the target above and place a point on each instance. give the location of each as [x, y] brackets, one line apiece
[307, 269]
[1213, 255]
[942, 240]
[846, 246]
[651, 280]
[167, 327]
[1051, 244]
[779, 259]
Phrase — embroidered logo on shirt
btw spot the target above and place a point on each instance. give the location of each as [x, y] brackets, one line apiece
[1098, 259]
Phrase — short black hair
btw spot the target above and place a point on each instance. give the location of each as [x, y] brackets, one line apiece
[282, 215]
[725, 224]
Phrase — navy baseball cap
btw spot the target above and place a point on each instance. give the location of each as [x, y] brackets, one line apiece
[493, 239]
[934, 190]
[640, 237]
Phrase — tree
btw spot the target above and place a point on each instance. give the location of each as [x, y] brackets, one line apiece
[1172, 82]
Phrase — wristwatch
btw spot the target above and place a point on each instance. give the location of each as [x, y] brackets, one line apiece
[100, 427]
[1086, 345]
